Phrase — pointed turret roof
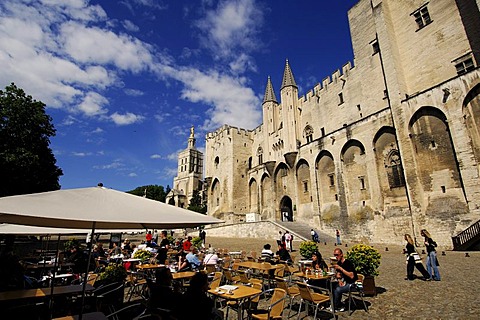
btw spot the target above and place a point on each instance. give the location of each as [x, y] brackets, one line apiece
[288, 79]
[269, 93]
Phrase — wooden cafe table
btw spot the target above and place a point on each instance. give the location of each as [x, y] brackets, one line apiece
[239, 294]
[43, 292]
[257, 265]
[86, 316]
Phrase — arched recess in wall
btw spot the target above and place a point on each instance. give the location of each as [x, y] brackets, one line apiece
[326, 178]
[214, 199]
[389, 167]
[253, 195]
[282, 185]
[304, 184]
[471, 114]
[436, 164]
[355, 176]
[267, 206]
[281, 179]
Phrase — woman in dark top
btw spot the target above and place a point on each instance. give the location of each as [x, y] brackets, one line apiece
[283, 254]
[163, 300]
[432, 266]
[318, 263]
[195, 303]
[411, 262]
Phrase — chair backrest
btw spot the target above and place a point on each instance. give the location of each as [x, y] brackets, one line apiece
[305, 292]
[228, 274]
[210, 268]
[243, 277]
[256, 285]
[280, 270]
[281, 284]
[217, 279]
[277, 305]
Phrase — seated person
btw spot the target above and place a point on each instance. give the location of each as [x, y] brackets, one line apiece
[191, 261]
[162, 294]
[318, 263]
[267, 254]
[283, 254]
[196, 304]
[346, 273]
[79, 260]
[211, 257]
[187, 244]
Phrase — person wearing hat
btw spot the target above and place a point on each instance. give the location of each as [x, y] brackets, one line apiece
[211, 257]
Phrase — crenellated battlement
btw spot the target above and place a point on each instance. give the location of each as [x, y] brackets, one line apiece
[329, 81]
[227, 130]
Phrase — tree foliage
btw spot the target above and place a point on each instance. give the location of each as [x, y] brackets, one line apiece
[153, 192]
[196, 203]
[27, 164]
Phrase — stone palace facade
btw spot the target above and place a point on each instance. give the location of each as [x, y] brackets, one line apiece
[388, 146]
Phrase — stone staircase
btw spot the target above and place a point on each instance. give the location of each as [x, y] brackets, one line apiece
[468, 239]
[302, 231]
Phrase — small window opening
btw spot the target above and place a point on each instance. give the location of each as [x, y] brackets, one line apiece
[340, 98]
[443, 189]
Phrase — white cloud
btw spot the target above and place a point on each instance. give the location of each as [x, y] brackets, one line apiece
[133, 92]
[170, 172]
[231, 27]
[95, 45]
[173, 156]
[159, 118]
[132, 174]
[81, 154]
[125, 119]
[92, 104]
[130, 26]
[116, 164]
[155, 156]
[97, 130]
[232, 102]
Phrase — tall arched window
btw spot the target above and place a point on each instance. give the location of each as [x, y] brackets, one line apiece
[308, 132]
[394, 170]
[260, 155]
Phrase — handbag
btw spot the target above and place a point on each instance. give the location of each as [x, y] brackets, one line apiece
[416, 257]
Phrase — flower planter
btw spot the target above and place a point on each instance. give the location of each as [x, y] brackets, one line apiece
[369, 286]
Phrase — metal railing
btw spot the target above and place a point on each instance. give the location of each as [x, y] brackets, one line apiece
[467, 235]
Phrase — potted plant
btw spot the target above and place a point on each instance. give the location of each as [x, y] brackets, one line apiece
[113, 273]
[143, 255]
[366, 260]
[307, 248]
[197, 242]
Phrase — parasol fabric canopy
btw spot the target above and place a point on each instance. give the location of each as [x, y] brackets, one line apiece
[18, 229]
[107, 208]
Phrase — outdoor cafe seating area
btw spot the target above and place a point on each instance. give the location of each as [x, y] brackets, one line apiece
[241, 284]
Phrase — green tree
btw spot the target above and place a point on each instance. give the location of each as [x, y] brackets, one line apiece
[27, 164]
[153, 192]
[196, 203]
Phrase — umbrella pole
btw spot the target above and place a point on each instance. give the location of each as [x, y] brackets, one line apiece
[86, 273]
[52, 280]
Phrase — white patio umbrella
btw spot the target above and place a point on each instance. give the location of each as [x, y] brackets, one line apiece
[96, 207]
[18, 229]
[106, 208]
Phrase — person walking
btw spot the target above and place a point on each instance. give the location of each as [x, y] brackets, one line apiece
[288, 240]
[337, 233]
[414, 260]
[314, 235]
[432, 262]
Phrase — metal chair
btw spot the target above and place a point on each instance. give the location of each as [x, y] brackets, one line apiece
[312, 298]
[292, 291]
[275, 306]
[357, 290]
[137, 284]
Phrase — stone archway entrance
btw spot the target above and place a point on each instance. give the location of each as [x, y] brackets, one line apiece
[286, 209]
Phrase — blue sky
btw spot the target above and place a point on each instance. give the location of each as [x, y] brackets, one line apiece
[125, 80]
